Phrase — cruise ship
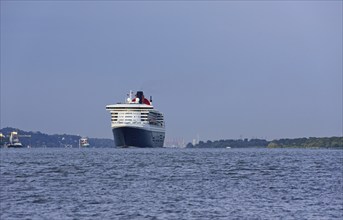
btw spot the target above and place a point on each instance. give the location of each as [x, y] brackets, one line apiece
[136, 123]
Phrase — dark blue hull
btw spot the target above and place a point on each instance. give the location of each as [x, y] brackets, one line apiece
[137, 137]
[15, 146]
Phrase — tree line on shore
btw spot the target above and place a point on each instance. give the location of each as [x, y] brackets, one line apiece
[39, 139]
[312, 142]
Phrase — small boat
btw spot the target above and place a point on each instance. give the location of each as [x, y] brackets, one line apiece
[83, 142]
[2, 140]
[14, 140]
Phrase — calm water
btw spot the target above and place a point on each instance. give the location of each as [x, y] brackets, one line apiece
[171, 184]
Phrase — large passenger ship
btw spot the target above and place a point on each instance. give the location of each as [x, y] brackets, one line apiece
[136, 123]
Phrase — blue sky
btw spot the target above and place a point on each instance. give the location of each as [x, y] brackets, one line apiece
[223, 70]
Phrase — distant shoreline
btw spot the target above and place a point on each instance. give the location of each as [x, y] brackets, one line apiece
[311, 142]
[39, 139]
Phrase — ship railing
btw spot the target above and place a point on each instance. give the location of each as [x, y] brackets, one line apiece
[129, 122]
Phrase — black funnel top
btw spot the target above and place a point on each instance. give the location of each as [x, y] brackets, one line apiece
[140, 95]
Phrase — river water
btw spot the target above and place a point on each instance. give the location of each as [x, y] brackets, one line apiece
[171, 184]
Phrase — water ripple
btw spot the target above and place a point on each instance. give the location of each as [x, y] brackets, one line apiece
[171, 184]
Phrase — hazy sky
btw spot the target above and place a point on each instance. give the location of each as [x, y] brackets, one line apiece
[223, 69]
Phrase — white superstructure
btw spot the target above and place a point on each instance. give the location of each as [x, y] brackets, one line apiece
[139, 115]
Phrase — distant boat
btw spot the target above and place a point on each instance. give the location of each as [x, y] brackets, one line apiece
[2, 140]
[14, 140]
[83, 142]
[228, 147]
